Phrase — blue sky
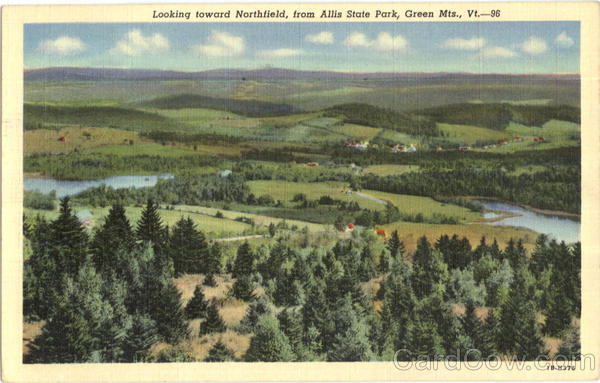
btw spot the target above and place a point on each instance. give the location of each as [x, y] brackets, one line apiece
[482, 47]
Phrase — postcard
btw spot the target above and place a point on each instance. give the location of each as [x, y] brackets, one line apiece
[292, 191]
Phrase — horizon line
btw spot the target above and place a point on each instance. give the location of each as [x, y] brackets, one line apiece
[306, 70]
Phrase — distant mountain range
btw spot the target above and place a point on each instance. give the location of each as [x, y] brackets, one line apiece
[112, 74]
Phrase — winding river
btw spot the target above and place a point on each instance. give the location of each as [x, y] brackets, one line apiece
[556, 227]
[64, 188]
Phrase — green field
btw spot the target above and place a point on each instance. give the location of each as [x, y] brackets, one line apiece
[409, 204]
[285, 191]
[469, 135]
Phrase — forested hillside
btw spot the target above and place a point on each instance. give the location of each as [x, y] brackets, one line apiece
[110, 296]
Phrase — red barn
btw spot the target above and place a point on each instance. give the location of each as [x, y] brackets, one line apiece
[380, 232]
[347, 144]
[62, 139]
[535, 139]
[541, 138]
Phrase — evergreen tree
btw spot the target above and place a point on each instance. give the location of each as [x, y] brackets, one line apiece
[290, 322]
[316, 313]
[430, 273]
[518, 326]
[189, 249]
[256, 309]
[244, 261]
[243, 288]
[213, 262]
[150, 229]
[68, 240]
[213, 322]
[65, 338]
[169, 315]
[398, 304]
[384, 261]
[395, 245]
[269, 343]
[366, 270]
[558, 315]
[220, 353]
[196, 307]
[351, 341]
[475, 330]
[113, 236]
[142, 335]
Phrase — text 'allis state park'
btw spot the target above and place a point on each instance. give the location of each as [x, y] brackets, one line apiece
[324, 14]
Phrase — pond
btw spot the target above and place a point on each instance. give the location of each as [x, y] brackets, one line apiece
[64, 188]
[556, 227]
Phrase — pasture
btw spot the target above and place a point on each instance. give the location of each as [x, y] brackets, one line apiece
[412, 205]
[75, 138]
[285, 191]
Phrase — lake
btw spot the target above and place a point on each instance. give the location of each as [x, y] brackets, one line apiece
[64, 188]
[556, 227]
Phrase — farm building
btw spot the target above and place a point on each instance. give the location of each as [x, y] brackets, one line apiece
[62, 139]
[464, 148]
[85, 217]
[312, 164]
[349, 227]
[380, 232]
[225, 173]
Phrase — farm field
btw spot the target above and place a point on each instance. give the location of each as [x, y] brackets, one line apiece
[408, 204]
[285, 191]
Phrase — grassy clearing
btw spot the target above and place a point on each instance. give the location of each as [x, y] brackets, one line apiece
[357, 132]
[231, 310]
[393, 137]
[389, 169]
[467, 134]
[285, 191]
[260, 220]
[409, 204]
[76, 138]
[411, 232]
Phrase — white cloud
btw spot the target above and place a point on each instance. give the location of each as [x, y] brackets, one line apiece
[356, 39]
[221, 44]
[533, 46]
[63, 46]
[496, 52]
[471, 44]
[563, 40]
[384, 41]
[320, 38]
[278, 53]
[135, 43]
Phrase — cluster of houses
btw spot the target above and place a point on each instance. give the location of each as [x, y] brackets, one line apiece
[503, 142]
[357, 145]
[403, 148]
